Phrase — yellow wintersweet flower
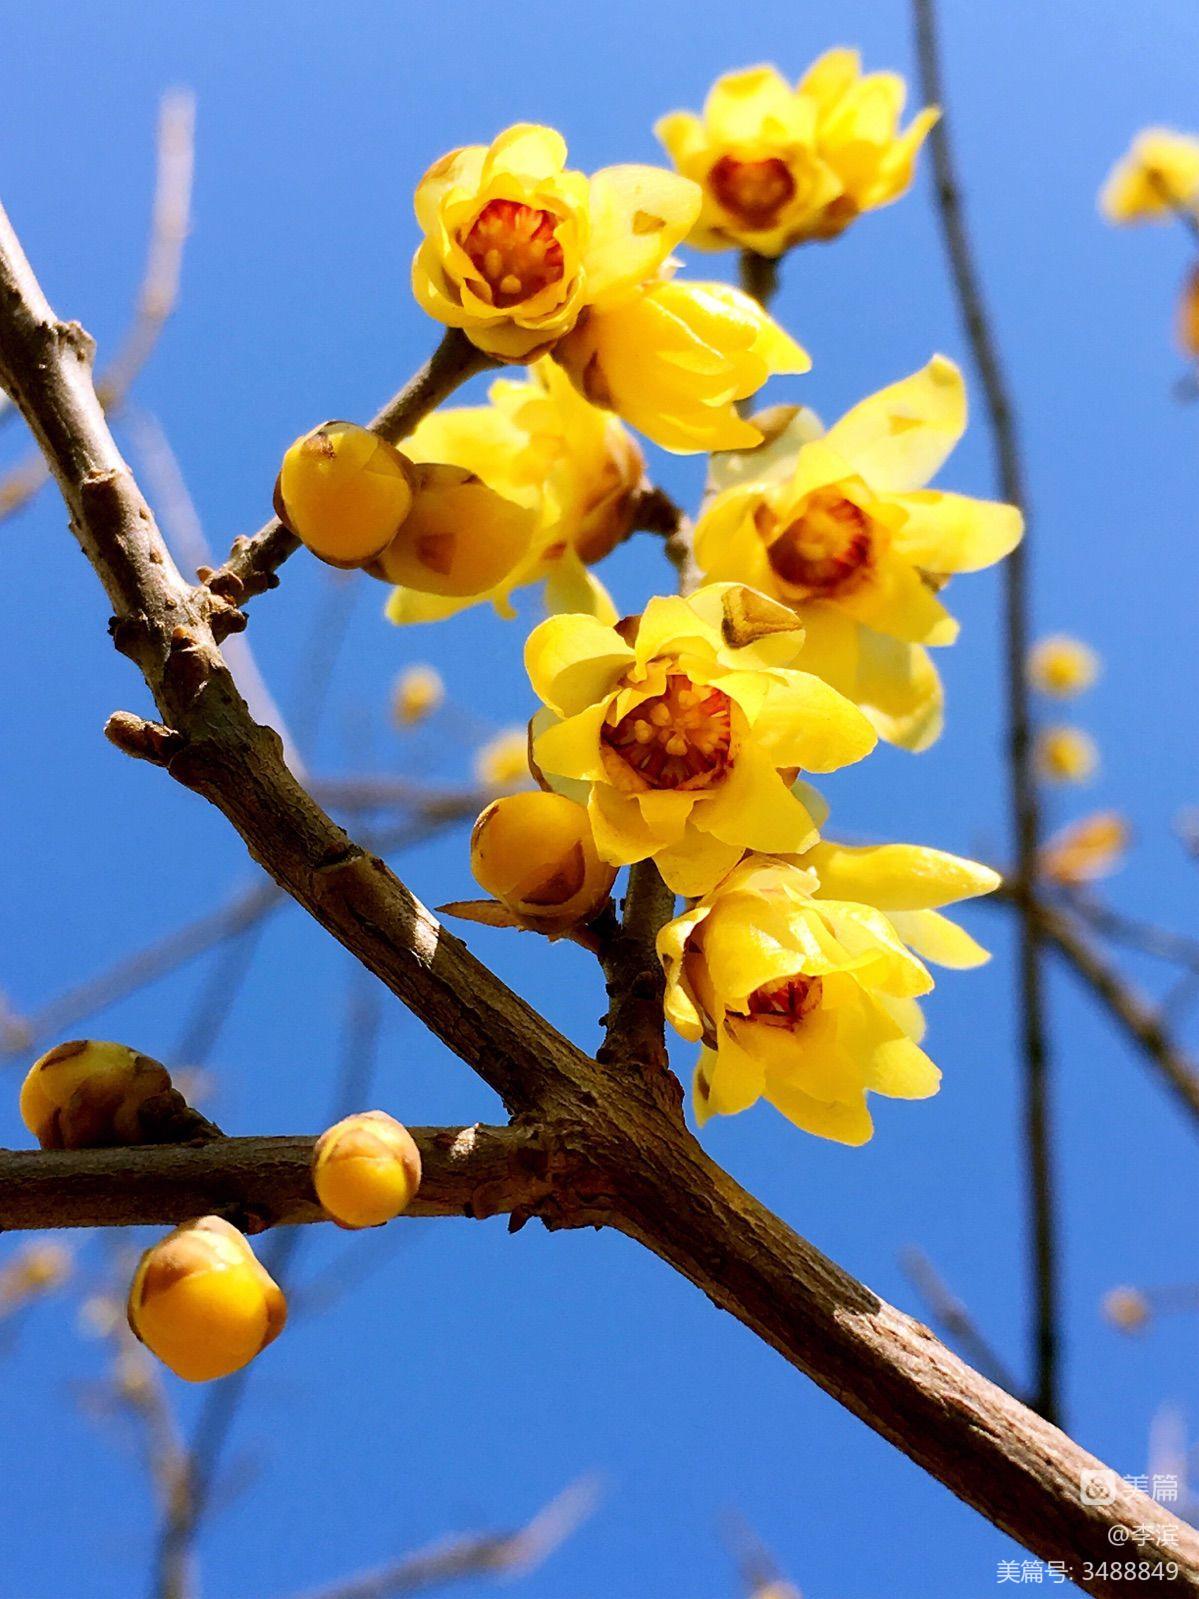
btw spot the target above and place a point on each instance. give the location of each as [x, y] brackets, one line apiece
[1188, 315]
[845, 532]
[674, 358]
[516, 246]
[1066, 755]
[574, 468]
[418, 692]
[1156, 178]
[683, 730]
[800, 976]
[1062, 666]
[779, 166]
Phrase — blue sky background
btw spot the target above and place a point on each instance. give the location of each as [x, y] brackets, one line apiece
[473, 1374]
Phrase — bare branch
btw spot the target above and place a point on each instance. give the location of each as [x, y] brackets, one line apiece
[160, 282]
[945, 1307]
[614, 1152]
[1024, 799]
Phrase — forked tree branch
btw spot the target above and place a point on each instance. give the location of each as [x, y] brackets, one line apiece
[615, 1146]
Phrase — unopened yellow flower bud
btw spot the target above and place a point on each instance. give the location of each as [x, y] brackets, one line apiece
[535, 853]
[418, 693]
[1126, 1309]
[203, 1303]
[366, 1169]
[344, 493]
[1088, 849]
[460, 537]
[503, 762]
[87, 1094]
[1062, 666]
[1066, 755]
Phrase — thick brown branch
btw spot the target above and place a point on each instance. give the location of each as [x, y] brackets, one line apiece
[467, 1171]
[634, 1023]
[254, 562]
[623, 1156]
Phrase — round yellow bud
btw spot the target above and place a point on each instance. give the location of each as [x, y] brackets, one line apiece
[1066, 755]
[1062, 666]
[88, 1094]
[1126, 1308]
[366, 1169]
[461, 538]
[203, 1303]
[535, 853]
[344, 492]
[418, 692]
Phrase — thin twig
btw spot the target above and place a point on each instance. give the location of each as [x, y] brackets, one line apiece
[159, 288]
[950, 1312]
[475, 1554]
[253, 563]
[1025, 807]
[759, 276]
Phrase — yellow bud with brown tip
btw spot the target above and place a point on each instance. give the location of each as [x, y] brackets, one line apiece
[203, 1303]
[88, 1094]
[366, 1169]
[461, 538]
[344, 492]
[536, 854]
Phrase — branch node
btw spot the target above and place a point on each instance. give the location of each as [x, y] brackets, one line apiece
[144, 741]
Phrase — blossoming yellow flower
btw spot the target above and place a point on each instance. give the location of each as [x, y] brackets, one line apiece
[800, 976]
[1088, 849]
[502, 764]
[778, 166]
[418, 692]
[674, 358]
[1062, 666]
[683, 730]
[516, 246]
[573, 467]
[846, 534]
[1157, 177]
[1066, 755]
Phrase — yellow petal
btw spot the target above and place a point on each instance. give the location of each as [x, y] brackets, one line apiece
[937, 939]
[574, 660]
[405, 606]
[735, 1080]
[573, 589]
[841, 1123]
[828, 78]
[696, 863]
[953, 532]
[526, 150]
[897, 877]
[740, 103]
[638, 216]
[621, 833]
[571, 748]
[754, 809]
[806, 723]
[898, 438]
[899, 690]
[896, 600]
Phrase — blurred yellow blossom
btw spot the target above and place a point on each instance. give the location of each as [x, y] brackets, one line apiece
[503, 762]
[778, 166]
[1157, 177]
[1066, 755]
[418, 692]
[36, 1268]
[1126, 1309]
[1062, 666]
[573, 467]
[844, 531]
[517, 246]
[1188, 314]
[683, 730]
[799, 976]
[1088, 849]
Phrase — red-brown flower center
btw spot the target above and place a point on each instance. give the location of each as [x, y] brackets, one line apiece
[754, 191]
[785, 1004]
[514, 251]
[678, 739]
[826, 549]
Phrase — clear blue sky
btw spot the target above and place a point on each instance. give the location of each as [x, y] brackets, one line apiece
[473, 1374]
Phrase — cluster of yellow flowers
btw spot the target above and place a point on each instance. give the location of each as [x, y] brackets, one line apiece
[200, 1299]
[686, 735]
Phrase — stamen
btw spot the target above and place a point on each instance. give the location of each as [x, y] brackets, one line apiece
[514, 249]
[825, 551]
[679, 739]
[754, 191]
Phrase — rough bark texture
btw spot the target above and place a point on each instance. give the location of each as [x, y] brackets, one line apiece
[614, 1145]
